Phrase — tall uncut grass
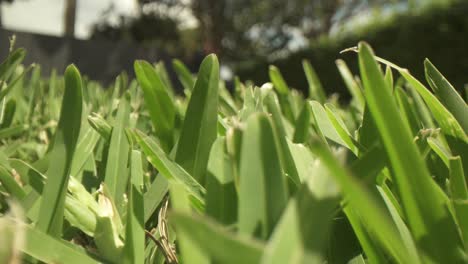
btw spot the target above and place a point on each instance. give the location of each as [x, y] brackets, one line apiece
[135, 173]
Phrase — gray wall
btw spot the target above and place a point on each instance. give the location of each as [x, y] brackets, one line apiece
[99, 60]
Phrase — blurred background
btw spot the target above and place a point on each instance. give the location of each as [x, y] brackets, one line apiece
[104, 37]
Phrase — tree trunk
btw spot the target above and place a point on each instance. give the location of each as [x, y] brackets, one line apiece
[69, 18]
[1, 22]
[210, 14]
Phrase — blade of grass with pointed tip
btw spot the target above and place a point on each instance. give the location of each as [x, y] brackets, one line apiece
[447, 95]
[9, 65]
[351, 84]
[302, 126]
[84, 149]
[373, 218]
[167, 167]
[285, 156]
[324, 124]
[444, 118]
[221, 245]
[51, 214]
[341, 128]
[199, 129]
[158, 102]
[422, 204]
[99, 124]
[10, 184]
[116, 174]
[13, 83]
[263, 190]
[184, 75]
[316, 91]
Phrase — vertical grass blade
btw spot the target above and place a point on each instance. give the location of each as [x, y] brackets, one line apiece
[61, 156]
[263, 190]
[200, 125]
[351, 84]
[184, 75]
[459, 192]
[134, 249]
[116, 174]
[427, 214]
[158, 102]
[316, 91]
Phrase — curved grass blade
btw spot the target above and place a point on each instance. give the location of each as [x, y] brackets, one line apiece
[361, 204]
[9, 65]
[447, 95]
[285, 156]
[424, 206]
[167, 167]
[184, 75]
[316, 91]
[200, 125]
[52, 250]
[53, 198]
[158, 102]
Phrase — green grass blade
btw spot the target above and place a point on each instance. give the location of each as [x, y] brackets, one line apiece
[324, 125]
[221, 197]
[373, 218]
[263, 190]
[199, 129]
[158, 102]
[189, 251]
[302, 233]
[278, 80]
[447, 95]
[84, 149]
[316, 91]
[351, 84]
[116, 174]
[167, 167]
[184, 75]
[302, 128]
[134, 248]
[61, 156]
[155, 195]
[99, 124]
[52, 250]
[9, 65]
[423, 205]
[10, 184]
[459, 192]
[220, 245]
[284, 153]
